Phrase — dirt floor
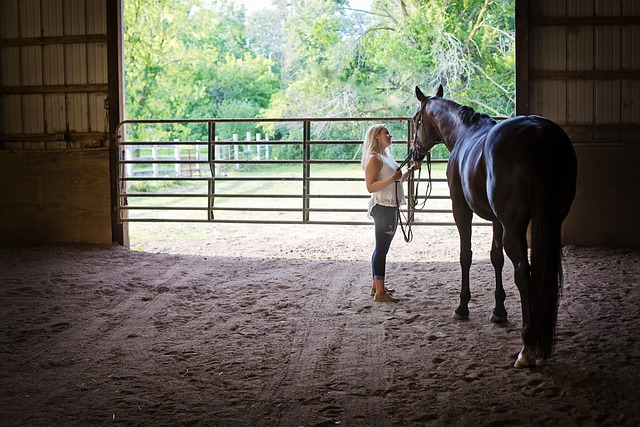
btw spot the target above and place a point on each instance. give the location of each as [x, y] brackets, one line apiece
[274, 326]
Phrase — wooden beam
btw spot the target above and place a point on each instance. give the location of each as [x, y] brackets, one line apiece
[585, 75]
[627, 128]
[522, 57]
[30, 90]
[115, 19]
[59, 136]
[576, 21]
[44, 41]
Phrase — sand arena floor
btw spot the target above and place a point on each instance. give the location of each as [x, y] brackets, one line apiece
[274, 326]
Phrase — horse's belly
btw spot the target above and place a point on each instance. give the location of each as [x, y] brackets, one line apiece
[483, 210]
[474, 189]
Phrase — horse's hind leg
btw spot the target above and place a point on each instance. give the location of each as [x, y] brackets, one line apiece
[515, 245]
[497, 260]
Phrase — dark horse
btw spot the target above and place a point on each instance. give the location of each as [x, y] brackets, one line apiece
[518, 172]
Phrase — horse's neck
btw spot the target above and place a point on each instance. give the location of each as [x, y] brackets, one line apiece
[454, 128]
[451, 128]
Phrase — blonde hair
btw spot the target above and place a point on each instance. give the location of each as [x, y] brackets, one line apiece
[371, 144]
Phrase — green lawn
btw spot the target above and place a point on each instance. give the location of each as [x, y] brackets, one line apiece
[274, 190]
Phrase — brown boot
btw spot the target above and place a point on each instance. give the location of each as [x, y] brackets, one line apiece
[386, 290]
[384, 298]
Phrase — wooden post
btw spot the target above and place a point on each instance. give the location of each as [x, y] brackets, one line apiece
[236, 150]
[176, 156]
[266, 147]
[198, 156]
[216, 152]
[258, 138]
[154, 157]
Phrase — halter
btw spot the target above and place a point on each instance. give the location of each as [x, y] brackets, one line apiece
[408, 232]
[416, 151]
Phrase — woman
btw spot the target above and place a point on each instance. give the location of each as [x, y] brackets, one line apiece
[384, 182]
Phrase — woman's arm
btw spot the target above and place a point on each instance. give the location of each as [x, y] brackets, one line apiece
[414, 166]
[372, 169]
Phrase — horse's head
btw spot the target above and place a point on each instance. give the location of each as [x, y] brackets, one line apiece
[425, 131]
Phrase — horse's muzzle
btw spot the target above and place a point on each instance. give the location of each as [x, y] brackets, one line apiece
[416, 153]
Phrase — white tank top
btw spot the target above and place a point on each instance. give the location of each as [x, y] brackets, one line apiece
[387, 196]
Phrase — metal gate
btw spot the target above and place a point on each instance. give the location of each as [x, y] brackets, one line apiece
[197, 170]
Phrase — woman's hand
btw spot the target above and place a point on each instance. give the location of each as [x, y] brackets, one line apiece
[412, 167]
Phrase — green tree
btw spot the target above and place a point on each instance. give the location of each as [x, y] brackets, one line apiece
[369, 63]
[184, 60]
[313, 58]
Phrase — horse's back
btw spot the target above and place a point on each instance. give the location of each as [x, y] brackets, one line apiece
[520, 137]
[519, 149]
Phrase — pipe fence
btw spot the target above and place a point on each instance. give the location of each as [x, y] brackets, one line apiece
[199, 170]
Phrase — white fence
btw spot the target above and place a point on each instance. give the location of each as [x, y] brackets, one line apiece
[177, 153]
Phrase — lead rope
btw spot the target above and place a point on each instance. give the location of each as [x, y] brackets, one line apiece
[406, 227]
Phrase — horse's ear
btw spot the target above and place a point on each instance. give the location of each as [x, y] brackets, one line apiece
[421, 96]
[440, 91]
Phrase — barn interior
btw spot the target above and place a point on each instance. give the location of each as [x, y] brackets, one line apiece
[61, 83]
[62, 102]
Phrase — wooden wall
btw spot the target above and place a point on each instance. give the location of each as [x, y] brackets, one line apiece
[54, 125]
[54, 196]
[579, 64]
[53, 74]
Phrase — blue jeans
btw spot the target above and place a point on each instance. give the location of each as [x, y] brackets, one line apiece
[385, 220]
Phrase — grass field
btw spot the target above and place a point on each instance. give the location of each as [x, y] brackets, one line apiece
[276, 189]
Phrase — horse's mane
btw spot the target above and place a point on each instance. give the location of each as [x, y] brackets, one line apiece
[469, 116]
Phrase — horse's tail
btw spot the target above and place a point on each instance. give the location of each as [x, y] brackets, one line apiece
[549, 210]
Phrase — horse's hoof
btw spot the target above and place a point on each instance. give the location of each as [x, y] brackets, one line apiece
[521, 364]
[497, 319]
[460, 317]
[525, 360]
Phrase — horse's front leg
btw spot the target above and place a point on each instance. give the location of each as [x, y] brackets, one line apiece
[463, 216]
[497, 260]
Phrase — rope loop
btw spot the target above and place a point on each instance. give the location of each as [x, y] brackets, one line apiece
[413, 200]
